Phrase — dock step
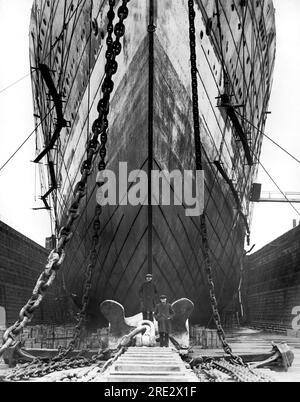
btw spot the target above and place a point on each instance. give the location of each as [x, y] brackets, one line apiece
[146, 364]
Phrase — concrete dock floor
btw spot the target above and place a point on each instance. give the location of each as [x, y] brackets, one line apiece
[246, 341]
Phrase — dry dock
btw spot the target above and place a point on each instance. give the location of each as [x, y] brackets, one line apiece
[243, 342]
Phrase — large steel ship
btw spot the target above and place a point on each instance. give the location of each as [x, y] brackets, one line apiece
[151, 128]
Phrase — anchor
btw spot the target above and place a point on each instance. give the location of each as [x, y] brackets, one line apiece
[16, 354]
[120, 326]
[281, 357]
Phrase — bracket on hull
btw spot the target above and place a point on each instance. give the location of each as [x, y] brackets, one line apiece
[225, 103]
[56, 97]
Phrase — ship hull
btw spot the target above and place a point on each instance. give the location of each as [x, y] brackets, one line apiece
[151, 128]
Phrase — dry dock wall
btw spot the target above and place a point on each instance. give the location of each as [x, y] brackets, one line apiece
[272, 284]
[21, 262]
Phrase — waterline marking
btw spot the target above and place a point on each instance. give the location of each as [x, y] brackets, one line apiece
[168, 188]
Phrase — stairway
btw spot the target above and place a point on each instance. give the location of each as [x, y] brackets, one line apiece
[149, 364]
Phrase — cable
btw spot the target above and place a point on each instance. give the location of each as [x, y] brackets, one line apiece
[274, 182]
[264, 134]
[265, 170]
[65, 25]
[295, 209]
[14, 83]
[24, 142]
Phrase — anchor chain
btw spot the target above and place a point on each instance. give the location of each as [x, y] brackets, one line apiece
[198, 158]
[102, 360]
[57, 255]
[237, 368]
[99, 128]
[26, 314]
[223, 371]
[239, 373]
[40, 368]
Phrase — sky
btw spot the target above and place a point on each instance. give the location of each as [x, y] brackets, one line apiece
[17, 179]
[19, 185]
[272, 220]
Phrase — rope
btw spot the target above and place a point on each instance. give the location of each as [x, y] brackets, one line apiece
[274, 182]
[266, 171]
[16, 82]
[269, 138]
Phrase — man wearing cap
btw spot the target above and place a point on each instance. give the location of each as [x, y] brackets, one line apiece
[148, 296]
[163, 314]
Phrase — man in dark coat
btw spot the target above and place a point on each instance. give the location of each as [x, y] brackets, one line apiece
[148, 296]
[163, 314]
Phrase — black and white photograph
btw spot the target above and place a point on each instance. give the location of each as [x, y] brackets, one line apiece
[149, 193]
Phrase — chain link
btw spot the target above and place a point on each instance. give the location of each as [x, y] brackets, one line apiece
[57, 255]
[103, 359]
[26, 314]
[194, 81]
[198, 158]
[99, 128]
[224, 371]
[238, 369]
[41, 368]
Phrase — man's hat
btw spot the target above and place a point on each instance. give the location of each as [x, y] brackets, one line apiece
[163, 297]
[149, 276]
